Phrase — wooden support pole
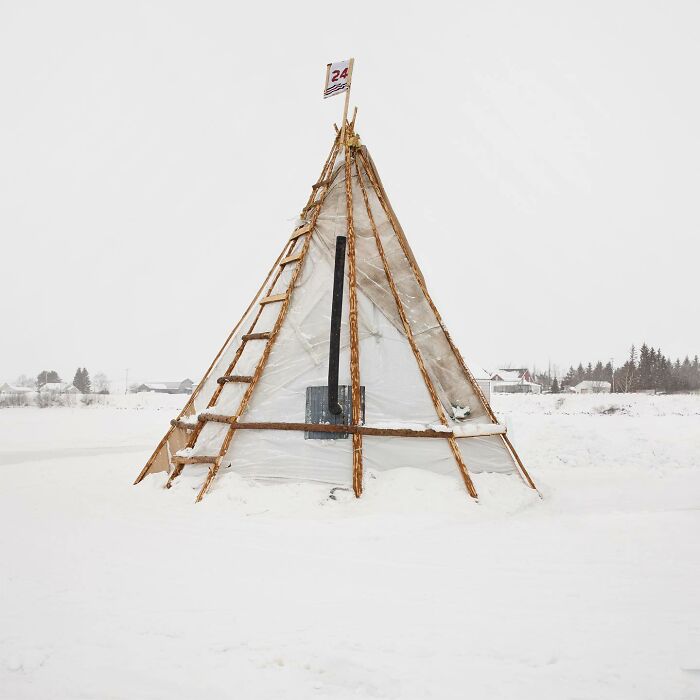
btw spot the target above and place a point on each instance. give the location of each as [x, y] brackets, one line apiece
[177, 470]
[439, 410]
[343, 132]
[357, 466]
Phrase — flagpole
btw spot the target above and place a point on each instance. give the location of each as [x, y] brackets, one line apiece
[347, 100]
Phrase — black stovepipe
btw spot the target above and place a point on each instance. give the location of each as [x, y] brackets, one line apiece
[336, 312]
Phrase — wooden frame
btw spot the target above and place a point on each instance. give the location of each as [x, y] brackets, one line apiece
[357, 465]
[189, 430]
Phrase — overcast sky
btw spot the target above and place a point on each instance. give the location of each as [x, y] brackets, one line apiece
[543, 158]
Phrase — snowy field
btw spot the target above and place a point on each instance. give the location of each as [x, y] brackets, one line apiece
[109, 590]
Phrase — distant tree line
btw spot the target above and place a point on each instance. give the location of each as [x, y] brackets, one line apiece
[646, 370]
[81, 381]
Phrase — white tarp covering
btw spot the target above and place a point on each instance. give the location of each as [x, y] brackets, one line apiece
[396, 394]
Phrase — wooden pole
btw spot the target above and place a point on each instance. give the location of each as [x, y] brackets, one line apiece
[357, 466]
[347, 101]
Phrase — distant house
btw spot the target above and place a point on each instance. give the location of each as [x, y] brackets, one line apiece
[483, 379]
[591, 386]
[15, 390]
[514, 380]
[58, 388]
[183, 387]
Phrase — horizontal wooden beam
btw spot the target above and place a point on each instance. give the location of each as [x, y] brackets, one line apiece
[242, 378]
[257, 336]
[194, 459]
[327, 428]
[214, 418]
[301, 231]
[292, 258]
[320, 183]
[481, 430]
[184, 425]
[273, 298]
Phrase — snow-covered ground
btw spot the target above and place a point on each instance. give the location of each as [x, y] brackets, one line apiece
[109, 590]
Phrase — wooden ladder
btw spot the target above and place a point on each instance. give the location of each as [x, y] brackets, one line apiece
[295, 254]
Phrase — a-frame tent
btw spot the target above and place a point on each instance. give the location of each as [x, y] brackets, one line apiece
[408, 398]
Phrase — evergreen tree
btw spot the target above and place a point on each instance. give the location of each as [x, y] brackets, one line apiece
[677, 377]
[685, 375]
[645, 378]
[555, 386]
[631, 370]
[47, 376]
[662, 372]
[653, 368]
[570, 378]
[81, 380]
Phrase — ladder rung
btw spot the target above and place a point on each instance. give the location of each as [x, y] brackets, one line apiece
[243, 378]
[273, 298]
[179, 423]
[215, 418]
[195, 459]
[300, 232]
[320, 183]
[257, 336]
[292, 258]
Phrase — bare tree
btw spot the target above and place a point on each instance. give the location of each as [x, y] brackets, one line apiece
[24, 380]
[101, 383]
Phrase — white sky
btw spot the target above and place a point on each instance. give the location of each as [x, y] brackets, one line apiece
[543, 158]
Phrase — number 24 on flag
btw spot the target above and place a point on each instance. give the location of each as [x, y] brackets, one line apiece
[337, 78]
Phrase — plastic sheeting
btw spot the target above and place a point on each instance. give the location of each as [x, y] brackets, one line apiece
[396, 394]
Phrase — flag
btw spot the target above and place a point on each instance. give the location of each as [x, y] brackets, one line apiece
[337, 77]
